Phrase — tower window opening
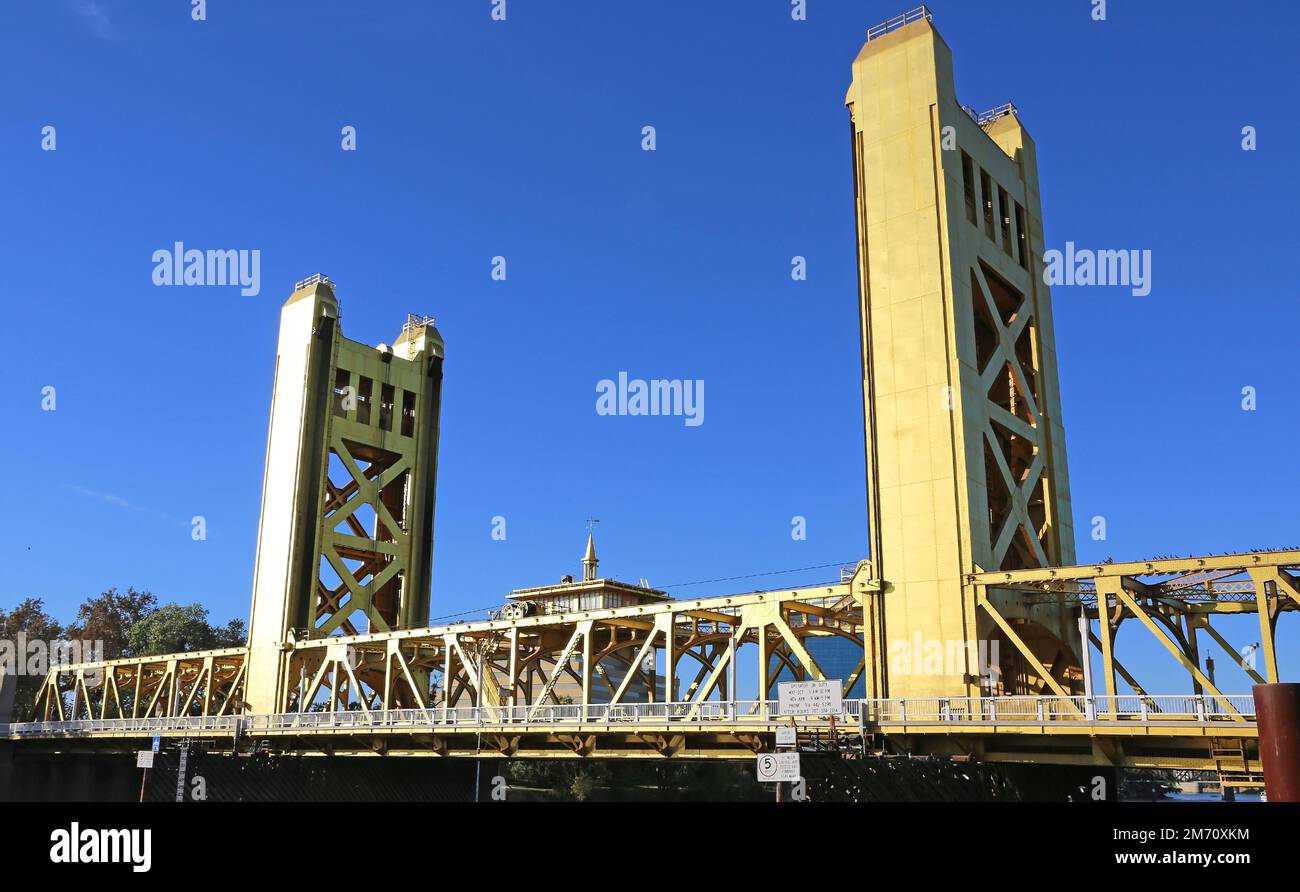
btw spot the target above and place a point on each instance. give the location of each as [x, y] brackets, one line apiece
[386, 395]
[1022, 236]
[365, 391]
[408, 413]
[1004, 207]
[986, 185]
[968, 184]
[342, 378]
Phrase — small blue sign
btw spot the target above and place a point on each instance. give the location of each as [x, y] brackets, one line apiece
[157, 743]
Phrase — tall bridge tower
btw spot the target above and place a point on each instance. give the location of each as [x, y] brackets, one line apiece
[345, 543]
[966, 463]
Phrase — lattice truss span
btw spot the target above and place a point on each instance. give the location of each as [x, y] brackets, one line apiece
[611, 656]
[1172, 600]
[202, 683]
[597, 657]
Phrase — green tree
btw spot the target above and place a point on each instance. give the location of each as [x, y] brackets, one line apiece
[232, 634]
[30, 618]
[174, 628]
[109, 617]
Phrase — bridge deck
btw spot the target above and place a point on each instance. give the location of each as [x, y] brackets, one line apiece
[694, 730]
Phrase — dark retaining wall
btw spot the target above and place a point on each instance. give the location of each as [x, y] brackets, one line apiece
[26, 777]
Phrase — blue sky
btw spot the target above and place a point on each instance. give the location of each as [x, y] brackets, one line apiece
[523, 139]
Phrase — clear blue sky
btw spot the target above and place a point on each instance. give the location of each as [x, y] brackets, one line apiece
[522, 139]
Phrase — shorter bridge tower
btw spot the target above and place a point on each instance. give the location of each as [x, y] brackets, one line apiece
[345, 543]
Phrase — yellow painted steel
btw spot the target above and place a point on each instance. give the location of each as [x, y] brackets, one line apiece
[346, 533]
[966, 465]
[969, 510]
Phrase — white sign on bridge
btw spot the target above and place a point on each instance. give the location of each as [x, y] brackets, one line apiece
[810, 697]
[778, 767]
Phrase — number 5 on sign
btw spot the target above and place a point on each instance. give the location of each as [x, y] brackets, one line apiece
[778, 767]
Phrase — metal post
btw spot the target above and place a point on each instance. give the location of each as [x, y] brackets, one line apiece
[731, 674]
[180, 770]
[1209, 673]
[8, 685]
[1277, 713]
[862, 725]
[1085, 651]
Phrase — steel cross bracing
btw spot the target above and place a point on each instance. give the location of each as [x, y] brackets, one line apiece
[536, 670]
[592, 683]
[1171, 599]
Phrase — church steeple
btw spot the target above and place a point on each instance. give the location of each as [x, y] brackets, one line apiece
[589, 560]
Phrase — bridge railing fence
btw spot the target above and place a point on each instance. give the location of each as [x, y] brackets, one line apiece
[1042, 710]
[1130, 708]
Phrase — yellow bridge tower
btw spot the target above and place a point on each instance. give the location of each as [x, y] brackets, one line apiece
[966, 463]
[970, 633]
[345, 542]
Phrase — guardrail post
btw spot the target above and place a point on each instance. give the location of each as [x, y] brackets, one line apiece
[1090, 708]
[1143, 711]
[1039, 709]
[1200, 708]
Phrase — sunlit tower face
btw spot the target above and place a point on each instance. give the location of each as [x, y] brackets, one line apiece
[966, 462]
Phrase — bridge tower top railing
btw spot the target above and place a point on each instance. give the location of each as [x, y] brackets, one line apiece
[912, 15]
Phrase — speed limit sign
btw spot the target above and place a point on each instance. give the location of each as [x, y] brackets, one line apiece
[778, 767]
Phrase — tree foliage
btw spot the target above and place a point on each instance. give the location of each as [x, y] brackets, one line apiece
[129, 624]
[174, 628]
[28, 618]
[108, 617]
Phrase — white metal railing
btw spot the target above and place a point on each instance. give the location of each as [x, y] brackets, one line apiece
[1129, 708]
[1161, 708]
[898, 21]
[985, 118]
[160, 724]
[739, 712]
